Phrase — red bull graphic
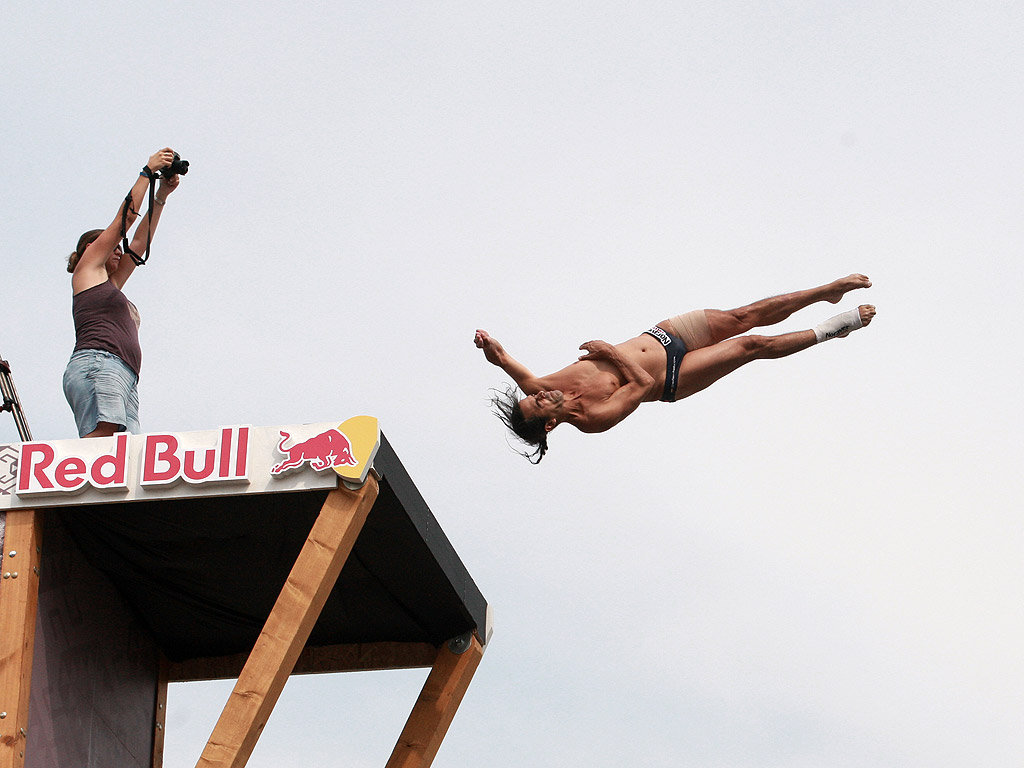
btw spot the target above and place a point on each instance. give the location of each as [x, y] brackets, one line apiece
[164, 459]
[226, 461]
[347, 448]
[329, 449]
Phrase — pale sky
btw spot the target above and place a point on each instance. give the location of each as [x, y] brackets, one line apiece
[817, 562]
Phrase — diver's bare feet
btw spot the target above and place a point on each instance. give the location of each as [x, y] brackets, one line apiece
[838, 288]
[867, 312]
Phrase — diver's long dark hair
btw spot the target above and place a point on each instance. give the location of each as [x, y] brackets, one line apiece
[529, 431]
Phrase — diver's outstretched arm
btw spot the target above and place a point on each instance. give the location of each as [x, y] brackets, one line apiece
[496, 355]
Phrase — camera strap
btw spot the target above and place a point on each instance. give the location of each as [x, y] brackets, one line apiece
[139, 260]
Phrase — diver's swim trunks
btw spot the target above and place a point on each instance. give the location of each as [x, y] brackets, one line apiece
[689, 331]
[674, 351]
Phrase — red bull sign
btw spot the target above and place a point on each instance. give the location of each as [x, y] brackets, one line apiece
[230, 460]
[347, 449]
[329, 449]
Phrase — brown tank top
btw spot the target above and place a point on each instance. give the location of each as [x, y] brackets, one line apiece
[104, 320]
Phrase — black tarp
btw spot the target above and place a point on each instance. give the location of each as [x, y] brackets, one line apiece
[202, 574]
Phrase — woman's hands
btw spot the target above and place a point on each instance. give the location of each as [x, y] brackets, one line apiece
[167, 186]
[160, 159]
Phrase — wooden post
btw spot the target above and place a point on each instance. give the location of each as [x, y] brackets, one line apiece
[160, 714]
[287, 628]
[435, 708]
[19, 597]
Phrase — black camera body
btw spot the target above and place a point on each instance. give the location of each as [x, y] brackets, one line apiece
[177, 166]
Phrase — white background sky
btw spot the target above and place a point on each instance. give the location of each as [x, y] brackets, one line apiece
[816, 562]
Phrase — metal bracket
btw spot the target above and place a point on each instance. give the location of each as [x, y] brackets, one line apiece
[460, 644]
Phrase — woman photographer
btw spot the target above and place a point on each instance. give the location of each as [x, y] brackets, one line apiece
[100, 381]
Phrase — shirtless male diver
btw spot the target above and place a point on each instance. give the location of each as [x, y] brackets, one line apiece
[675, 359]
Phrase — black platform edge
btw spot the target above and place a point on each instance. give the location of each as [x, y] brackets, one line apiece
[391, 471]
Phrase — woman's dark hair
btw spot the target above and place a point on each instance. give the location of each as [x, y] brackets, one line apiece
[529, 431]
[83, 242]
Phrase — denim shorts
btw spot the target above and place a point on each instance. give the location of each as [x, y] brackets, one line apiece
[99, 387]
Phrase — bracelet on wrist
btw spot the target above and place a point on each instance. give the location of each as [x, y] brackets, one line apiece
[158, 201]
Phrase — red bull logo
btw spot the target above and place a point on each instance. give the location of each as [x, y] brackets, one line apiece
[226, 461]
[162, 459]
[347, 448]
[327, 450]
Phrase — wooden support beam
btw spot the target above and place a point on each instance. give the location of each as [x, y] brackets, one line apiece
[356, 657]
[287, 628]
[160, 712]
[19, 598]
[435, 708]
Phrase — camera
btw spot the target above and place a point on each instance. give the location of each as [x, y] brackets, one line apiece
[177, 166]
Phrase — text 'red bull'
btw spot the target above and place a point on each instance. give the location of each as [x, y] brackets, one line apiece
[327, 450]
[163, 461]
[40, 472]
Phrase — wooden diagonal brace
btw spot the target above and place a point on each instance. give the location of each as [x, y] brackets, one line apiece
[435, 708]
[287, 628]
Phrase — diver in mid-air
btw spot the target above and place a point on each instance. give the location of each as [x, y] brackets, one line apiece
[675, 359]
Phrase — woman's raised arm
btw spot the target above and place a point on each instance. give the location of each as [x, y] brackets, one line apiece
[91, 267]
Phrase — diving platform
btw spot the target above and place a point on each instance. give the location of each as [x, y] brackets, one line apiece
[240, 553]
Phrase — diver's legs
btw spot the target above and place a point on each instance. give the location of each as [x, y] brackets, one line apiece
[725, 324]
[703, 367]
